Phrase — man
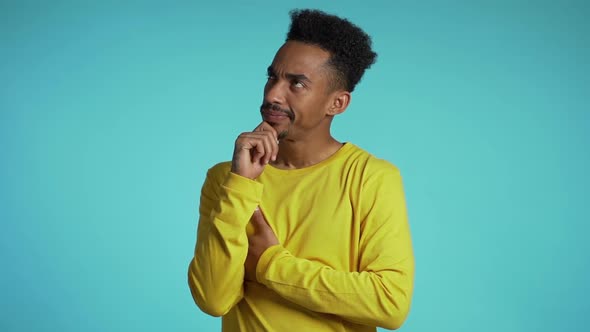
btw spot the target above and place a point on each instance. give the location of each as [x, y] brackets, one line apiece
[300, 232]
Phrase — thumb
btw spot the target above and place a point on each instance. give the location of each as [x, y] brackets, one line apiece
[258, 219]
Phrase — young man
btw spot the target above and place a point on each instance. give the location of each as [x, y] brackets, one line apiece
[300, 232]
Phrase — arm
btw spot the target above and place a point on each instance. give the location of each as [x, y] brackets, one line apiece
[216, 273]
[228, 199]
[380, 293]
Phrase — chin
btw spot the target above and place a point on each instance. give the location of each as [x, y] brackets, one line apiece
[283, 134]
[280, 128]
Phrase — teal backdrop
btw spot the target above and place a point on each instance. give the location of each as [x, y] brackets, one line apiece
[111, 112]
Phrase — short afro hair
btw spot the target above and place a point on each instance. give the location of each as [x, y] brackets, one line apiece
[349, 46]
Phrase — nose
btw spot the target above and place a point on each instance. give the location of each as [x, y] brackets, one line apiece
[274, 91]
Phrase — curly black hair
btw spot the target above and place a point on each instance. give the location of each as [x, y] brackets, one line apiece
[349, 46]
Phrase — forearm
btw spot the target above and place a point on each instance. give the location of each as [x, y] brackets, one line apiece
[375, 298]
[216, 272]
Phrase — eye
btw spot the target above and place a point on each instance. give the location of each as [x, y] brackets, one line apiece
[298, 84]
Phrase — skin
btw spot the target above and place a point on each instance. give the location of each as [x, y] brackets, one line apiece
[296, 133]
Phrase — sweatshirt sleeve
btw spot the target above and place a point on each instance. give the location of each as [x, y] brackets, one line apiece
[216, 272]
[380, 293]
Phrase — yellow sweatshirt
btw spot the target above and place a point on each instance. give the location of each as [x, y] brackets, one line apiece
[344, 262]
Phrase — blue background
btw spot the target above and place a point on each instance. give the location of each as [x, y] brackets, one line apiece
[111, 112]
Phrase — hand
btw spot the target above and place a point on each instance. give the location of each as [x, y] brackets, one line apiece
[253, 150]
[262, 238]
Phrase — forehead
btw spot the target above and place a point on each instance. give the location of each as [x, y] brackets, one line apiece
[300, 58]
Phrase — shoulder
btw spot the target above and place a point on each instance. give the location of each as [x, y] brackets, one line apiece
[218, 172]
[371, 165]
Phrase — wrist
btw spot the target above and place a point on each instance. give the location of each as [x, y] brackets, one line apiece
[248, 188]
[242, 175]
[266, 259]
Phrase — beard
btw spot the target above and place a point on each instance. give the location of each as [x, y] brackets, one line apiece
[277, 108]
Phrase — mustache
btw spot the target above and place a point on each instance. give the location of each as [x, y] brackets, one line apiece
[277, 108]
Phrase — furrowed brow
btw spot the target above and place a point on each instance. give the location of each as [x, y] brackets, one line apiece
[292, 77]
[297, 77]
[270, 71]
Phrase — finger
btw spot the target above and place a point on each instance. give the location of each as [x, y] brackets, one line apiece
[262, 130]
[258, 220]
[254, 145]
[272, 148]
[267, 138]
[269, 142]
[260, 127]
[275, 149]
[259, 151]
[275, 141]
[265, 126]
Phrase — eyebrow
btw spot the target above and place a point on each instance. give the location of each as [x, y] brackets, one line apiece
[290, 76]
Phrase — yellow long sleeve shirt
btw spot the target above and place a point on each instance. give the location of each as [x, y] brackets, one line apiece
[345, 260]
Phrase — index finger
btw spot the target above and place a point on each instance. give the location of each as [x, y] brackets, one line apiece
[265, 126]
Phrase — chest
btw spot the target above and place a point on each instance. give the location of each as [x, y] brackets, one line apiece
[315, 218]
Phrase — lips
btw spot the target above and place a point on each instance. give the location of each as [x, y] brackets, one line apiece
[274, 113]
[274, 116]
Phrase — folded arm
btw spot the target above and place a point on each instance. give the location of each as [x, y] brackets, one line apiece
[380, 293]
[216, 272]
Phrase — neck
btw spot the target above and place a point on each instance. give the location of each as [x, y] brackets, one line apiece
[302, 153]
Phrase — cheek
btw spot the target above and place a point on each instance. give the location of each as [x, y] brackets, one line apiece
[314, 108]
[266, 86]
[308, 108]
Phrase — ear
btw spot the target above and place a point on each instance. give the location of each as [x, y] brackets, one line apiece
[340, 101]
